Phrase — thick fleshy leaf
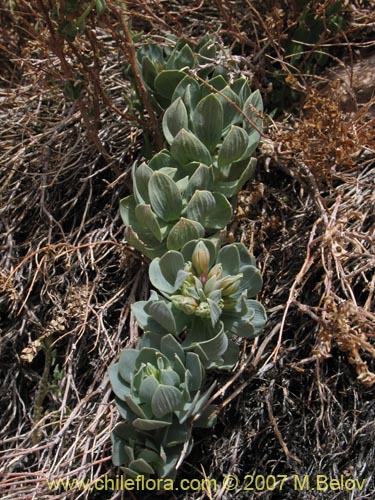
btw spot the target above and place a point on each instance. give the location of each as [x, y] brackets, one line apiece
[151, 252]
[141, 177]
[203, 398]
[187, 81]
[215, 311]
[208, 121]
[123, 409]
[213, 347]
[127, 210]
[149, 355]
[126, 365]
[160, 160]
[149, 425]
[191, 99]
[117, 383]
[166, 400]
[146, 217]
[169, 377]
[230, 188]
[161, 313]
[186, 148]
[253, 110]
[166, 82]
[218, 83]
[147, 388]
[165, 197]
[184, 58]
[252, 281]
[230, 356]
[163, 272]
[241, 88]
[176, 435]
[202, 178]
[149, 71]
[196, 369]
[212, 210]
[150, 340]
[232, 149]
[246, 258]
[135, 408]
[229, 257]
[141, 466]
[259, 318]
[231, 114]
[119, 456]
[175, 118]
[171, 347]
[145, 321]
[182, 232]
[207, 52]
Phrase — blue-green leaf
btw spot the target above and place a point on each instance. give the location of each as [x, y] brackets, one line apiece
[175, 118]
[182, 232]
[187, 148]
[160, 160]
[234, 146]
[161, 313]
[166, 400]
[212, 209]
[141, 177]
[253, 109]
[166, 82]
[202, 178]
[208, 121]
[165, 197]
[149, 425]
[163, 272]
[229, 257]
[146, 217]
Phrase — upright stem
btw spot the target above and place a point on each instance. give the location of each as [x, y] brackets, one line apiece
[129, 51]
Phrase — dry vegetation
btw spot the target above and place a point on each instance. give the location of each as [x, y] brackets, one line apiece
[301, 401]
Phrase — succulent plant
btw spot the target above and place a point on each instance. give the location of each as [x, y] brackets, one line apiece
[159, 390]
[206, 295]
[182, 193]
[158, 385]
[164, 68]
[141, 454]
[216, 135]
[164, 214]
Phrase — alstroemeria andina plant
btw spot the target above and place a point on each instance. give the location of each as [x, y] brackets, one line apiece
[159, 389]
[182, 193]
[163, 69]
[206, 296]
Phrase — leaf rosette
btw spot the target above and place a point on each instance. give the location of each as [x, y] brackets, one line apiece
[159, 386]
[159, 389]
[143, 455]
[206, 295]
[164, 213]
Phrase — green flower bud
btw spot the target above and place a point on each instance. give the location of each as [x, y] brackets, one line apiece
[203, 310]
[211, 285]
[216, 271]
[201, 259]
[230, 284]
[184, 304]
